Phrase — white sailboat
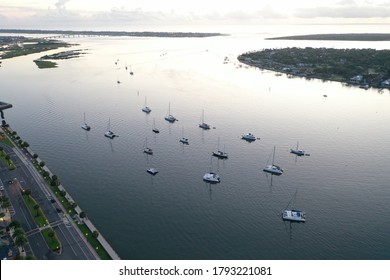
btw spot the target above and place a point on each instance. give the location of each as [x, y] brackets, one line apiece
[272, 168]
[294, 215]
[183, 139]
[170, 118]
[146, 109]
[85, 126]
[219, 153]
[297, 151]
[204, 125]
[109, 133]
[154, 129]
[147, 150]
[211, 177]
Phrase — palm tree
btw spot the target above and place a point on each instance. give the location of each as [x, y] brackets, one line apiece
[18, 232]
[14, 224]
[21, 241]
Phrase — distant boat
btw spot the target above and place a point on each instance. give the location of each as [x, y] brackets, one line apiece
[85, 126]
[204, 125]
[273, 169]
[170, 118]
[152, 171]
[297, 151]
[147, 150]
[131, 71]
[146, 109]
[109, 133]
[154, 129]
[294, 215]
[219, 153]
[249, 137]
[211, 177]
[183, 139]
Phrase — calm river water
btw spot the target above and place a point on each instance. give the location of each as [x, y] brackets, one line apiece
[343, 185]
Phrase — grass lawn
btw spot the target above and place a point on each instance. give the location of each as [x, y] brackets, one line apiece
[53, 242]
[41, 219]
[6, 141]
[94, 242]
[9, 163]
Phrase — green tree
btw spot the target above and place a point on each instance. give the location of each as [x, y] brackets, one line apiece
[1, 149]
[36, 207]
[5, 203]
[35, 156]
[51, 234]
[17, 232]
[21, 241]
[42, 164]
[14, 224]
[82, 215]
[26, 145]
[7, 157]
[62, 193]
[95, 233]
[26, 192]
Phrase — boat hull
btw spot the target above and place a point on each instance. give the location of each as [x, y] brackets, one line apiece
[273, 169]
[294, 216]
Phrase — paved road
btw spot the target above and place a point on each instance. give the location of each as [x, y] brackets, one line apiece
[25, 176]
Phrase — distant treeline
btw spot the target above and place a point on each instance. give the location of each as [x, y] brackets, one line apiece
[110, 33]
[339, 37]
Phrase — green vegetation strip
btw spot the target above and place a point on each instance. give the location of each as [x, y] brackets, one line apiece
[7, 142]
[325, 63]
[8, 162]
[41, 220]
[42, 64]
[94, 242]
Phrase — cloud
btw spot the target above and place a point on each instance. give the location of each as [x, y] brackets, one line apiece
[60, 5]
[344, 12]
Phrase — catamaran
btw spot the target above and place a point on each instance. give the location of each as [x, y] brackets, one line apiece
[219, 153]
[147, 150]
[146, 109]
[85, 126]
[109, 133]
[297, 151]
[170, 118]
[294, 215]
[204, 125]
[154, 129]
[272, 168]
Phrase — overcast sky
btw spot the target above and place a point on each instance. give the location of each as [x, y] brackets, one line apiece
[103, 14]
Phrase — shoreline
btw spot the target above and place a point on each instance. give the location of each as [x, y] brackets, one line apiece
[72, 219]
[338, 37]
[360, 67]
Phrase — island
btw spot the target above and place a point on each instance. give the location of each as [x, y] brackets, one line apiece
[362, 67]
[112, 33]
[338, 37]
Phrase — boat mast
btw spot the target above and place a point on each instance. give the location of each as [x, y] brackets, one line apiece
[108, 128]
[273, 156]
